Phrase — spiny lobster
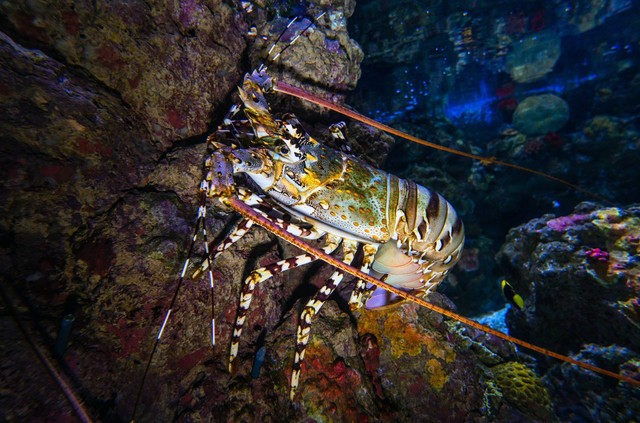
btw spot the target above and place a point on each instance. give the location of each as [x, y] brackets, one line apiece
[410, 235]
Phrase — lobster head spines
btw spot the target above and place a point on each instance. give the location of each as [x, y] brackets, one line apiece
[284, 138]
[254, 161]
[219, 175]
[252, 94]
[256, 109]
[262, 79]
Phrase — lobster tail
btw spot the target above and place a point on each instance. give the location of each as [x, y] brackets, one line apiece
[429, 239]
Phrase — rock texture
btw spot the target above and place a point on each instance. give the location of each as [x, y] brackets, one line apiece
[580, 277]
[541, 114]
[533, 57]
[559, 265]
[104, 107]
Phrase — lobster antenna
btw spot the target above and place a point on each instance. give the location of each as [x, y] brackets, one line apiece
[249, 213]
[273, 59]
[59, 377]
[200, 220]
[285, 88]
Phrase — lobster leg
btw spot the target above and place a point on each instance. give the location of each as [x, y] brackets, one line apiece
[259, 205]
[243, 226]
[261, 275]
[360, 293]
[237, 231]
[311, 309]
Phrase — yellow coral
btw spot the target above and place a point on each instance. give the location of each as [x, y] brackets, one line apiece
[437, 375]
[521, 387]
[398, 329]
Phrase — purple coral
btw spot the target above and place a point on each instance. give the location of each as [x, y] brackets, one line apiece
[561, 223]
[596, 254]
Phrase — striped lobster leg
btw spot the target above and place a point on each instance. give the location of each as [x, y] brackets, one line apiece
[311, 309]
[240, 228]
[262, 274]
[360, 293]
[236, 231]
[339, 133]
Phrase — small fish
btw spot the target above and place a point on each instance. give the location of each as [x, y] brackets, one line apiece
[510, 294]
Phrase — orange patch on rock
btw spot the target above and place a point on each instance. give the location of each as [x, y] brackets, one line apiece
[394, 330]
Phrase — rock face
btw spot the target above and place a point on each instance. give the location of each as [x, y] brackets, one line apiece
[163, 61]
[104, 105]
[539, 114]
[533, 57]
[580, 393]
[576, 271]
[580, 278]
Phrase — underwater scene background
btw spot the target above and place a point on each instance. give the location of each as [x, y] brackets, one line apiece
[105, 110]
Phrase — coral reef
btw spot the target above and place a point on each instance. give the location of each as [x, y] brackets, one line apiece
[423, 364]
[555, 264]
[579, 393]
[580, 278]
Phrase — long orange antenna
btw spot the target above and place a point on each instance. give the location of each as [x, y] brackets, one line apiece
[299, 93]
[249, 213]
[58, 377]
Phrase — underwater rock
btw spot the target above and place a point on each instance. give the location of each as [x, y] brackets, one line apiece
[608, 146]
[429, 369]
[325, 62]
[579, 392]
[169, 62]
[92, 97]
[579, 276]
[533, 57]
[99, 195]
[609, 129]
[572, 295]
[537, 115]
[585, 16]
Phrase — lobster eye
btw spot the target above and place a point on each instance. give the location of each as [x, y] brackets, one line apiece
[284, 150]
[254, 97]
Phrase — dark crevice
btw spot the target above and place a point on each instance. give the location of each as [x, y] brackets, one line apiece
[182, 144]
[54, 55]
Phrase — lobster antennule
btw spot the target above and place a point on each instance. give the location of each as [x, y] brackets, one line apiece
[285, 88]
[273, 59]
[249, 213]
